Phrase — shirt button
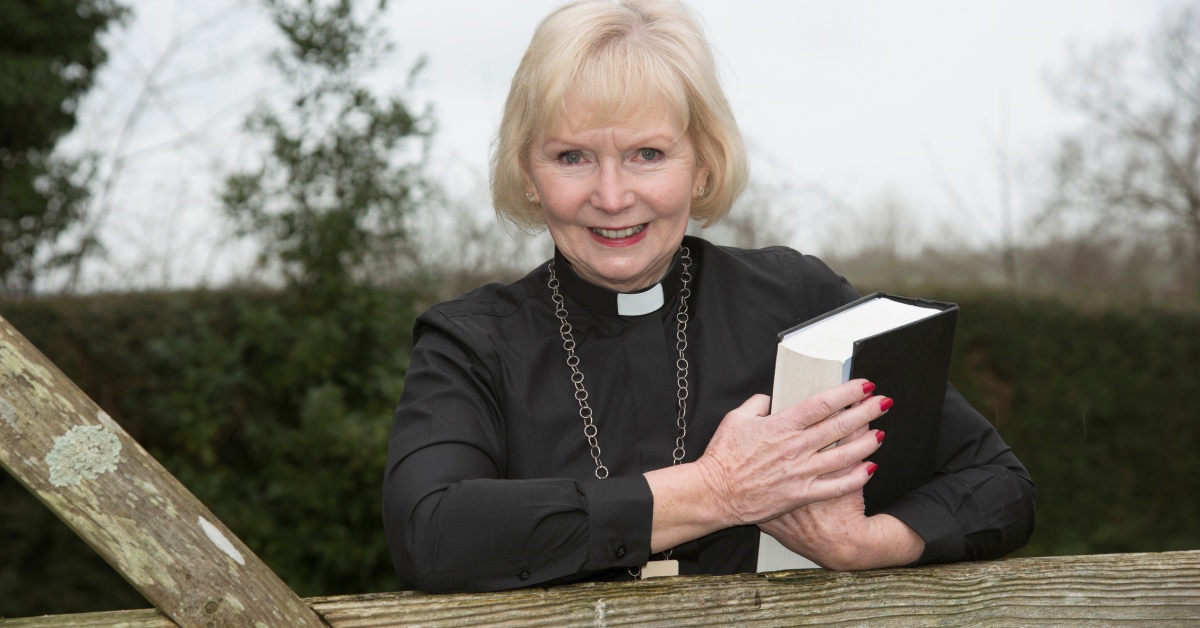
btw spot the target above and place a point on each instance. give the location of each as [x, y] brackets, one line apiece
[523, 574]
[620, 551]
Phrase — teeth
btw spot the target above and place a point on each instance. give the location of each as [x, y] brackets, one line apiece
[618, 233]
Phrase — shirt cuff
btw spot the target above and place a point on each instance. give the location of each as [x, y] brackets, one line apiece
[621, 512]
[942, 535]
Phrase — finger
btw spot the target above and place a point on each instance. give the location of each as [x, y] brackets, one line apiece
[831, 487]
[842, 426]
[847, 455]
[855, 434]
[820, 406]
[756, 405]
[858, 432]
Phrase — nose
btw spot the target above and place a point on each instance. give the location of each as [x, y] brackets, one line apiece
[613, 193]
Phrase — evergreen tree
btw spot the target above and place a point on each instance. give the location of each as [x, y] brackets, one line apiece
[49, 53]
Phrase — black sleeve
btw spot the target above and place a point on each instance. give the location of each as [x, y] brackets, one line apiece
[980, 503]
[452, 520]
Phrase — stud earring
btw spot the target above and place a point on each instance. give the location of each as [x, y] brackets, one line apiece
[531, 197]
[700, 193]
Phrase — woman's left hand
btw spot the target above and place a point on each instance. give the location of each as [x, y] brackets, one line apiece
[836, 534]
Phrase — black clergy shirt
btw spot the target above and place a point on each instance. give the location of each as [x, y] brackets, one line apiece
[490, 483]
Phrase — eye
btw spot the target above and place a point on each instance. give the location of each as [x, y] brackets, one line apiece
[570, 157]
[649, 154]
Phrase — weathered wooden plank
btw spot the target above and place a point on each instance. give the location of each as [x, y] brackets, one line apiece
[1142, 589]
[1116, 589]
[143, 618]
[117, 498]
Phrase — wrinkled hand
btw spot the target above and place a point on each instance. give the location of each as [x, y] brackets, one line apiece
[758, 466]
[829, 533]
[836, 535]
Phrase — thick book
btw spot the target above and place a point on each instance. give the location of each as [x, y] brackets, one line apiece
[902, 345]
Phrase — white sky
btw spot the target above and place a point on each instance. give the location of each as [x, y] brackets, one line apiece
[861, 98]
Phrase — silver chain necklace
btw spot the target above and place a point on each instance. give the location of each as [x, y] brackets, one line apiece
[681, 364]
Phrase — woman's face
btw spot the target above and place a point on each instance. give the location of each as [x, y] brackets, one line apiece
[617, 198]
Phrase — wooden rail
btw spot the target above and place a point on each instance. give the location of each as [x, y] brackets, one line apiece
[1161, 589]
[79, 462]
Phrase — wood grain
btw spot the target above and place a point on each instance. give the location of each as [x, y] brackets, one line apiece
[79, 462]
[1160, 589]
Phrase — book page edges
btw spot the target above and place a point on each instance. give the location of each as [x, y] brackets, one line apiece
[798, 377]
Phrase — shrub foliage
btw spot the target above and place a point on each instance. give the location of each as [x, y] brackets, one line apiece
[272, 408]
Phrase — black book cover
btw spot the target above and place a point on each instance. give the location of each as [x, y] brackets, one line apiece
[910, 364]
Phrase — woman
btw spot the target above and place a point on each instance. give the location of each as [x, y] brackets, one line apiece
[608, 412]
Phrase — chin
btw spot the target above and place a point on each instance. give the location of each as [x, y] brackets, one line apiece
[622, 277]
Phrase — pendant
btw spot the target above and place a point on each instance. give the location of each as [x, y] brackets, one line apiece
[660, 568]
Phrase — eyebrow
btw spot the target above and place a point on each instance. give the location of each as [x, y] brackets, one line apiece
[648, 140]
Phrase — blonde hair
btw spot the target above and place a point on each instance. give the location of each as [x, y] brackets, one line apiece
[620, 60]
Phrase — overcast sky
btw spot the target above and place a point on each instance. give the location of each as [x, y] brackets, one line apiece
[861, 98]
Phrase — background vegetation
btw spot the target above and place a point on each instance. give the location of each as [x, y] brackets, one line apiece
[269, 396]
[274, 412]
[269, 406]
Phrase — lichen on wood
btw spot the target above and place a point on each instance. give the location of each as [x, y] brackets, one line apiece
[83, 453]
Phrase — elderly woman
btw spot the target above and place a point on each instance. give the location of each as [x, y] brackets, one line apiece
[608, 411]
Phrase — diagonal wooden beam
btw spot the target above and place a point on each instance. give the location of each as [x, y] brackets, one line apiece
[79, 462]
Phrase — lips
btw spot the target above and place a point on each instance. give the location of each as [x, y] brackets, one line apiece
[614, 234]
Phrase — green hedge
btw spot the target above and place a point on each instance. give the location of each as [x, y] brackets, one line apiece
[274, 409]
[1102, 407]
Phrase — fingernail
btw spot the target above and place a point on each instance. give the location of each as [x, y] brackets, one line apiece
[871, 469]
[885, 403]
[868, 387]
[879, 436]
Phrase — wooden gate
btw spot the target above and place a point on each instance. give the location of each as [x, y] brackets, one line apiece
[83, 466]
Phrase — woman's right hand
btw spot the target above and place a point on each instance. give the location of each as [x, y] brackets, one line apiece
[759, 465]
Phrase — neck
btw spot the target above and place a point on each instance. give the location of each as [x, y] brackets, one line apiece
[602, 300]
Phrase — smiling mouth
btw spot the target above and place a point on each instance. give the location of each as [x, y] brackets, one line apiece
[618, 233]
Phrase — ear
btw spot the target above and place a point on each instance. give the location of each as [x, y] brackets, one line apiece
[531, 194]
[531, 189]
[700, 183]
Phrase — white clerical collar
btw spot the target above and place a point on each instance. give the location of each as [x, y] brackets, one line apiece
[607, 302]
[639, 303]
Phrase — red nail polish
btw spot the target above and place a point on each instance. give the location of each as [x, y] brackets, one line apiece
[868, 387]
[879, 436]
[871, 469]
[885, 403]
